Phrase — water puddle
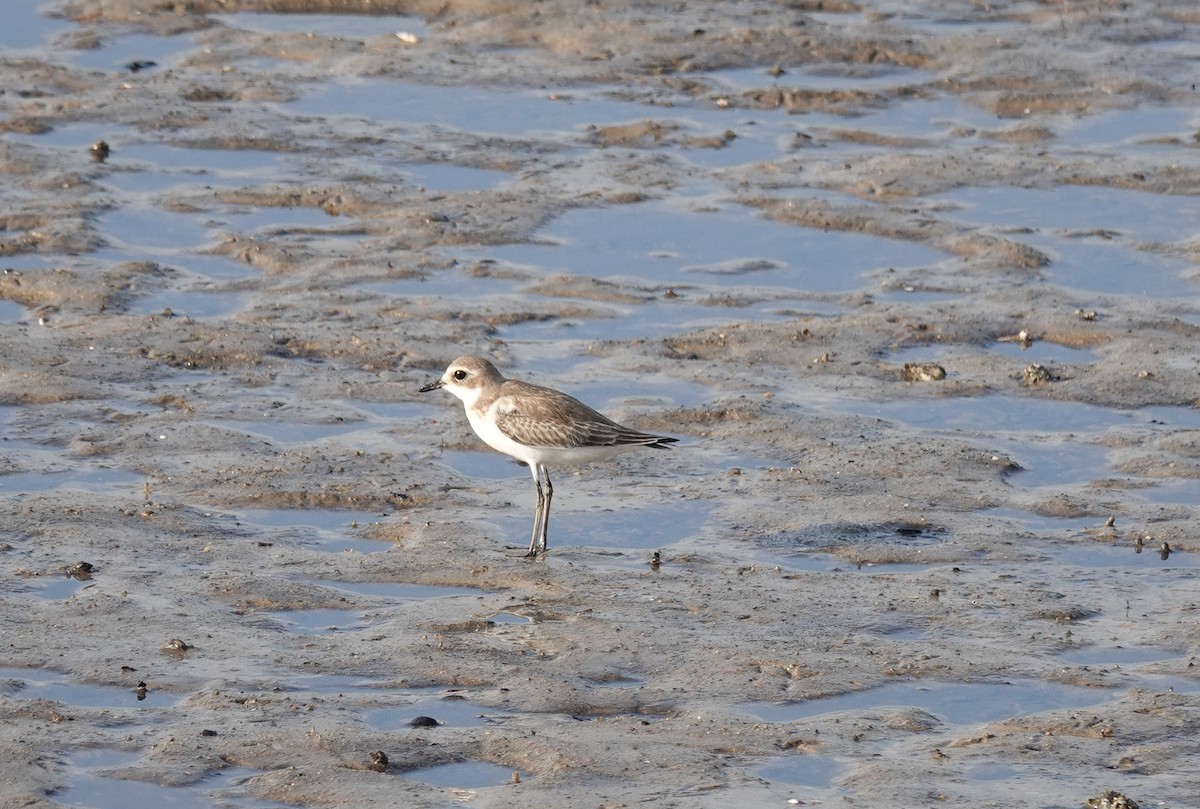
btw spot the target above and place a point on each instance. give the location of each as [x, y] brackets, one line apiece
[1092, 233]
[1180, 491]
[830, 76]
[1121, 556]
[331, 684]
[394, 166]
[1121, 213]
[814, 772]
[200, 303]
[216, 268]
[275, 429]
[94, 479]
[1046, 462]
[510, 618]
[954, 703]
[94, 782]
[623, 529]
[25, 28]
[26, 684]
[61, 588]
[319, 519]
[935, 118]
[348, 26]
[1031, 521]
[1094, 265]
[1145, 127]
[131, 53]
[314, 621]
[145, 229]
[830, 563]
[325, 530]
[135, 230]
[453, 284]
[483, 464]
[940, 20]
[809, 549]
[271, 219]
[450, 711]
[1117, 655]
[759, 134]
[516, 113]
[11, 312]
[1001, 413]
[716, 247]
[465, 774]
[1039, 351]
[321, 620]
[135, 160]
[447, 176]
[688, 309]
[395, 592]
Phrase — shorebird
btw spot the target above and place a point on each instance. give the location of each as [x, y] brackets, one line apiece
[538, 426]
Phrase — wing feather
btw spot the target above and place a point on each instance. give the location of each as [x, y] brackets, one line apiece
[543, 417]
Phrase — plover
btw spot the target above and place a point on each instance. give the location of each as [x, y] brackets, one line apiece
[538, 426]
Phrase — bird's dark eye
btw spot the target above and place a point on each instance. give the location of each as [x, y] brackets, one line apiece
[460, 375]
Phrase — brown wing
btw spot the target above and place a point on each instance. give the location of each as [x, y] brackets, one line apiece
[543, 417]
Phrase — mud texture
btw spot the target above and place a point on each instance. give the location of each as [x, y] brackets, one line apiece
[627, 684]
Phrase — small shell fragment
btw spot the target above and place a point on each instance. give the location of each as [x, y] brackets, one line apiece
[923, 372]
[1036, 374]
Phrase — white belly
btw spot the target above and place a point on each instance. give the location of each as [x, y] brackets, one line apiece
[550, 456]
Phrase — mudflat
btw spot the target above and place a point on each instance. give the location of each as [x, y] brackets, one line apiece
[913, 284]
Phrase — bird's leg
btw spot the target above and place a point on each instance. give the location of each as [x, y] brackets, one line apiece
[539, 510]
[546, 510]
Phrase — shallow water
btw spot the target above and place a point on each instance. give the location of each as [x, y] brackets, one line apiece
[1041, 351]
[610, 529]
[706, 245]
[118, 52]
[829, 563]
[953, 703]
[831, 76]
[449, 712]
[812, 771]
[1122, 556]
[27, 684]
[1010, 414]
[326, 25]
[327, 530]
[26, 28]
[1117, 655]
[1125, 215]
[314, 621]
[88, 479]
[473, 109]
[93, 783]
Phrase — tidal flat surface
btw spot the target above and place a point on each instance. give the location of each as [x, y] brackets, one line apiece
[914, 283]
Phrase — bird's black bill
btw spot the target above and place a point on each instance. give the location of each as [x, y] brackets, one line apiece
[431, 386]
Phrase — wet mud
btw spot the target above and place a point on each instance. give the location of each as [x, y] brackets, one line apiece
[914, 284]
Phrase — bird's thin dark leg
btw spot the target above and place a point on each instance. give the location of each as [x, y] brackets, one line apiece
[546, 511]
[538, 512]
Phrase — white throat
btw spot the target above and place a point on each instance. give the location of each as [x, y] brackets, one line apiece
[469, 396]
